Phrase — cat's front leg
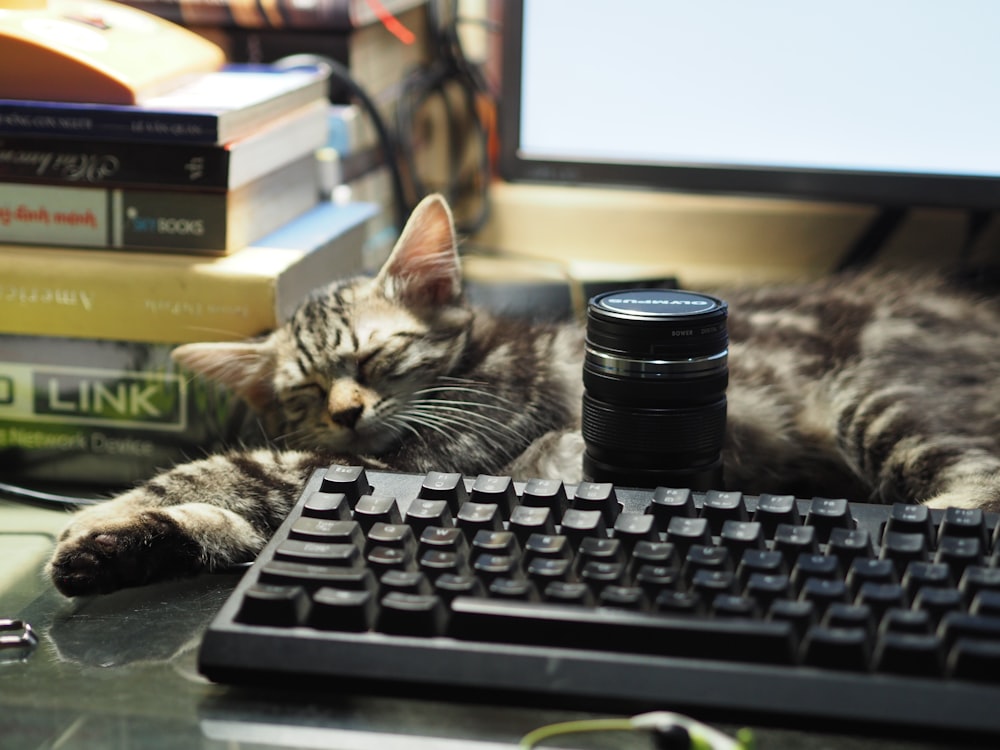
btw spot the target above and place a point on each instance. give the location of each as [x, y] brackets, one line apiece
[203, 515]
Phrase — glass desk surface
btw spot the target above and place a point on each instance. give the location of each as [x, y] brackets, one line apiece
[118, 672]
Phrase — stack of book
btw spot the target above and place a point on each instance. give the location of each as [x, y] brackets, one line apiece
[379, 43]
[127, 229]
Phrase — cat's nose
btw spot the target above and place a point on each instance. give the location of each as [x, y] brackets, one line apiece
[347, 417]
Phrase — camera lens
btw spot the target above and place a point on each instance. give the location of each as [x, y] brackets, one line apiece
[655, 376]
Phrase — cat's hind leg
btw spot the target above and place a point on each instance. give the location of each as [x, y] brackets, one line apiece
[912, 449]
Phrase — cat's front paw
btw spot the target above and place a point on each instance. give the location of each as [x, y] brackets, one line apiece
[98, 556]
[555, 455]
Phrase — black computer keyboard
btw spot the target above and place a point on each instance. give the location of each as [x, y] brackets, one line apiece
[764, 608]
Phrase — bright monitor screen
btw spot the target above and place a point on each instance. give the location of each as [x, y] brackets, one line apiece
[895, 102]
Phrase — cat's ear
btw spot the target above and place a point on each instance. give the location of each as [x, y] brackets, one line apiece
[244, 367]
[423, 267]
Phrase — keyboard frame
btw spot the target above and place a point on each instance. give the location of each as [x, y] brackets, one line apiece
[522, 674]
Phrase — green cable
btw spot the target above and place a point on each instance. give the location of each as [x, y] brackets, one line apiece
[702, 736]
[541, 734]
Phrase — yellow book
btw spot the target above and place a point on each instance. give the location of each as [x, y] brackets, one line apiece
[168, 298]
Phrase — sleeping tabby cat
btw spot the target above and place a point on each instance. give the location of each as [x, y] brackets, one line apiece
[875, 388]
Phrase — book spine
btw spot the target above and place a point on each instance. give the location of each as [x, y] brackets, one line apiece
[174, 298]
[107, 122]
[104, 412]
[180, 220]
[112, 163]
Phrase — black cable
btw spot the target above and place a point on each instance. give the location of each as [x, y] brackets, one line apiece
[45, 498]
[386, 141]
[451, 68]
[873, 238]
[976, 222]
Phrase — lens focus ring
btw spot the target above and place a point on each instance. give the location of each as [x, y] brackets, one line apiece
[667, 438]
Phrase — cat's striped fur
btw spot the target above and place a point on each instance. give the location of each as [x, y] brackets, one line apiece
[884, 388]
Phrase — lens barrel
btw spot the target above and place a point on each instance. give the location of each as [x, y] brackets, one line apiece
[655, 376]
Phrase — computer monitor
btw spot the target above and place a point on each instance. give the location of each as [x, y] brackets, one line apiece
[889, 102]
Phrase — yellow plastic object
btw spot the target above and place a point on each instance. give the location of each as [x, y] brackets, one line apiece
[94, 51]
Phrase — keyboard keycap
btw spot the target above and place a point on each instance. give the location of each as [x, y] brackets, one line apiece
[351, 481]
[597, 496]
[958, 553]
[328, 505]
[382, 559]
[776, 509]
[632, 528]
[906, 518]
[903, 548]
[328, 531]
[498, 490]
[404, 581]
[547, 545]
[526, 520]
[720, 507]
[277, 605]
[396, 535]
[848, 545]
[411, 614]
[435, 563]
[446, 486]
[318, 553]
[826, 514]
[520, 589]
[655, 578]
[765, 588]
[495, 543]
[339, 609]
[423, 514]
[881, 597]
[475, 517]
[669, 502]
[569, 592]
[969, 523]
[684, 533]
[548, 625]
[372, 509]
[837, 648]
[767, 562]
[580, 524]
[913, 655]
[441, 539]
[792, 541]
[316, 576]
[739, 536]
[865, 570]
[546, 493]
[543, 570]
[975, 660]
[447, 586]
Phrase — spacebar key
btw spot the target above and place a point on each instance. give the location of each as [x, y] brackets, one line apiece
[610, 629]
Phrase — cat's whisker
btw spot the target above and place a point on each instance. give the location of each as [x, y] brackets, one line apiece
[455, 389]
[465, 407]
[465, 417]
[399, 425]
[431, 424]
[462, 422]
